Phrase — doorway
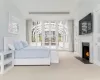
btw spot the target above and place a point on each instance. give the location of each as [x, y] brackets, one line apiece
[50, 35]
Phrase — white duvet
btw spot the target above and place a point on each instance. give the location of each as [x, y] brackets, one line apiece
[32, 52]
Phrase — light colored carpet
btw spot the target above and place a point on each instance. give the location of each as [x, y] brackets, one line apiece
[69, 68]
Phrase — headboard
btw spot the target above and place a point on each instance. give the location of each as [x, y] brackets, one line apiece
[8, 40]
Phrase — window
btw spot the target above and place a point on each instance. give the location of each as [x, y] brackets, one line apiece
[50, 34]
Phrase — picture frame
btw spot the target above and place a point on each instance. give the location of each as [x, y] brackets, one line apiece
[14, 24]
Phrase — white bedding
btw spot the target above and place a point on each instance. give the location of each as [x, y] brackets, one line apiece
[32, 52]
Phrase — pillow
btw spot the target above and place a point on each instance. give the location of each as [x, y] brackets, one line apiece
[11, 47]
[18, 45]
[25, 44]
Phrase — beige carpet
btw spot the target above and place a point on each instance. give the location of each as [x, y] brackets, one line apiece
[69, 68]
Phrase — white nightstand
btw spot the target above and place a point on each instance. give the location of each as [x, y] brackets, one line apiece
[54, 56]
[6, 61]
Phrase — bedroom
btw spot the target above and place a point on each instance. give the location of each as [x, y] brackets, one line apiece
[16, 37]
[39, 41]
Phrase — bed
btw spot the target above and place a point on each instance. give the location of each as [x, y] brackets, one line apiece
[32, 56]
[29, 55]
[32, 52]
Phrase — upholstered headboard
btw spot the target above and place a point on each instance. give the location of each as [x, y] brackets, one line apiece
[7, 41]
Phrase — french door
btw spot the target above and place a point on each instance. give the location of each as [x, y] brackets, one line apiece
[50, 35]
[96, 37]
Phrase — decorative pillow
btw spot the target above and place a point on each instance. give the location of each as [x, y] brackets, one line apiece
[25, 44]
[18, 45]
[11, 47]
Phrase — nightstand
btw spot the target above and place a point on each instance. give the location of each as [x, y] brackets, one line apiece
[6, 61]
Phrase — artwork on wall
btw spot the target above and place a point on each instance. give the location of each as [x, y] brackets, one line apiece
[85, 25]
[14, 24]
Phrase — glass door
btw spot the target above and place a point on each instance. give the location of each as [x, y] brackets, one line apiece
[36, 35]
[60, 36]
[53, 35]
[50, 35]
[47, 35]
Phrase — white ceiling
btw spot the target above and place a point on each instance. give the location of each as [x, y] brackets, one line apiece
[27, 6]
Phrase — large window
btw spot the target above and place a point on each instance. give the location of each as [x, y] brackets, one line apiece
[37, 34]
[50, 34]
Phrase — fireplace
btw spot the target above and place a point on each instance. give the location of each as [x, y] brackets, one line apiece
[85, 51]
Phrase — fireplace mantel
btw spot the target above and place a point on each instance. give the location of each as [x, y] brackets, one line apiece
[86, 39]
[91, 51]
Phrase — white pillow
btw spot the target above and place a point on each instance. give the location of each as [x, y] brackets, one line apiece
[11, 47]
[25, 44]
[18, 45]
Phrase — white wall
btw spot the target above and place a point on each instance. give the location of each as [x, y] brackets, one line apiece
[46, 6]
[50, 17]
[2, 22]
[70, 25]
[85, 7]
[6, 7]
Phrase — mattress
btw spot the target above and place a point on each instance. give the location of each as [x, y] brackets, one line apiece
[32, 52]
